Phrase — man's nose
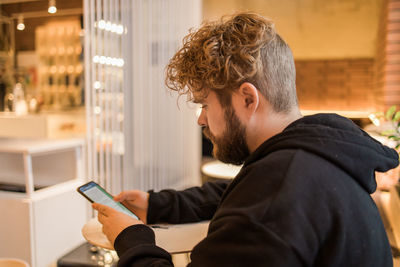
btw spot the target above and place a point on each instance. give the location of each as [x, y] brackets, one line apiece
[202, 121]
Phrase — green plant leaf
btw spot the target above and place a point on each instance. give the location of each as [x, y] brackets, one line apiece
[396, 116]
[390, 112]
[387, 132]
[394, 137]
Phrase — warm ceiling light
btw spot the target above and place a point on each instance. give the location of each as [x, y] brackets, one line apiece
[52, 7]
[20, 25]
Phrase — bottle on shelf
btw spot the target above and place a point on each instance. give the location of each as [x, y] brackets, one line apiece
[19, 105]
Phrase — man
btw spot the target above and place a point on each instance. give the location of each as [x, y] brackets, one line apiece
[302, 197]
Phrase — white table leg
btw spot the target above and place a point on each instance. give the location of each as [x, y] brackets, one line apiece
[28, 174]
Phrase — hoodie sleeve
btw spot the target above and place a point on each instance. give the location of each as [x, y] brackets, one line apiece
[191, 205]
[222, 247]
[136, 246]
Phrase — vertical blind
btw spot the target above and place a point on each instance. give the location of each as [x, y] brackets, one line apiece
[139, 136]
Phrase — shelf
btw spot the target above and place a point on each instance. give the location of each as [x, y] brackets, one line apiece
[27, 161]
[41, 222]
[43, 125]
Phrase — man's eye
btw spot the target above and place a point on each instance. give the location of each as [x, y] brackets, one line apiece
[203, 106]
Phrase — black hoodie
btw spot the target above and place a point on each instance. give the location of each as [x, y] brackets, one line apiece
[301, 199]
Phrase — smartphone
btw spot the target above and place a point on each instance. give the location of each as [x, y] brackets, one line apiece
[95, 193]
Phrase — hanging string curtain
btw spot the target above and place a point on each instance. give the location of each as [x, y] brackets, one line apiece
[137, 138]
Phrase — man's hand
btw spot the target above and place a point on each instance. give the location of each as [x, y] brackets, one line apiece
[113, 221]
[136, 201]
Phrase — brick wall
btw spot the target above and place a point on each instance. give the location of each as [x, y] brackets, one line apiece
[345, 84]
[363, 84]
[387, 82]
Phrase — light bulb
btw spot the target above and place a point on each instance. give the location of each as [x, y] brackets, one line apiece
[120, 62]
[120, 29]
[96, 59]
[114, 61]
[52, 7]
[108, 26]
[97, 85]
[20, 25]
[102, 24]
[114, 27]
[102, 60]
[97, 110]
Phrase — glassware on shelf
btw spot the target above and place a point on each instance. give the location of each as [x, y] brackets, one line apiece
[9, 102]
[60, 50]
[19, 104]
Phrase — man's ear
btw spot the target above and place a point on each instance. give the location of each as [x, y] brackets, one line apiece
[250, 95]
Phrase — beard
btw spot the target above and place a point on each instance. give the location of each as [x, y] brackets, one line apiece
[231, 147]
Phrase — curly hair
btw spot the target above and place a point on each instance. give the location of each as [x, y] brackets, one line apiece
[221, 55]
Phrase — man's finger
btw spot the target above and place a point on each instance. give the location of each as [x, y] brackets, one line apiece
[120, 197]
[103, 209]
[100, 218]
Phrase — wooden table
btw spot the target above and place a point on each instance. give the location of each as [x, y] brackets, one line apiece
[174, 238]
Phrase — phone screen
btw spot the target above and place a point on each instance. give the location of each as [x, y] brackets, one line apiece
[95, 193]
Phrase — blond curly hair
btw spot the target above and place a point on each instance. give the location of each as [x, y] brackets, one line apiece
[221, 55]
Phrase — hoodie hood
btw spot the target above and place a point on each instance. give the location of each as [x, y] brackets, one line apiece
[338, 140]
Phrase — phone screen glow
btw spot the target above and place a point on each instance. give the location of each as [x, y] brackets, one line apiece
[99, 195]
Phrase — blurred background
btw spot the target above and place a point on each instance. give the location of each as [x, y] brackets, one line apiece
[82, 97]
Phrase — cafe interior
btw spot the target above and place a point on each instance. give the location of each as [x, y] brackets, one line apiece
[82, 98]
